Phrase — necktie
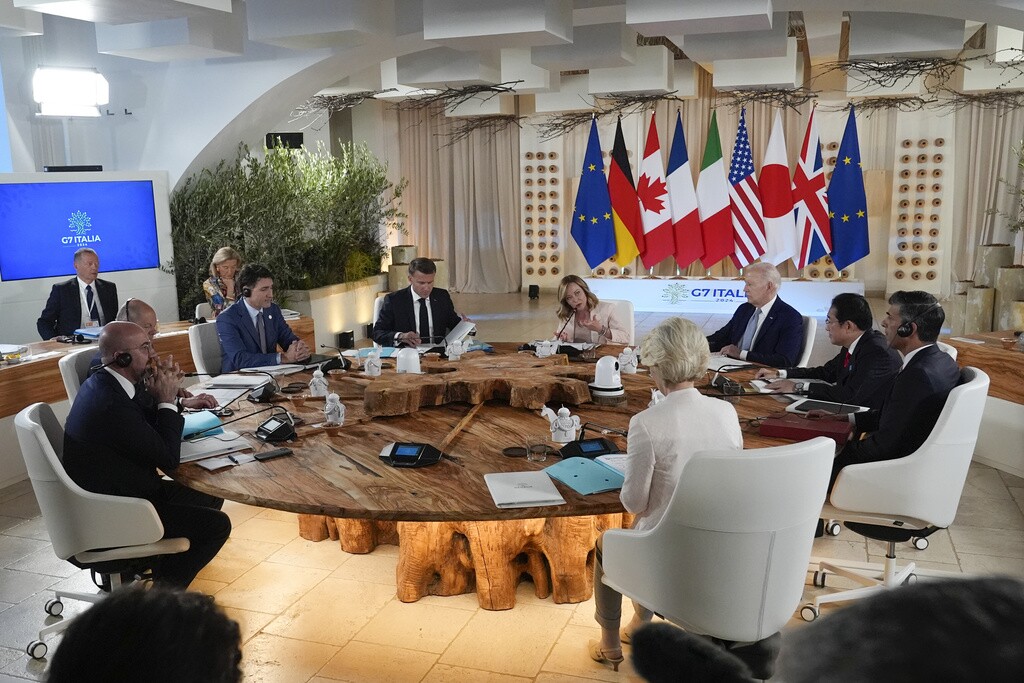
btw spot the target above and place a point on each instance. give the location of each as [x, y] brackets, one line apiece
[748, 334]
[90, 303]
[846, 360]
[424, 322]
[261, 332]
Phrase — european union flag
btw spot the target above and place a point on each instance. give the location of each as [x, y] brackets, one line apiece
[592, 225]
[847, 201]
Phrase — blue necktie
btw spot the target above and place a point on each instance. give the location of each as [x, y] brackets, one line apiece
[748, 334]
[91, 304]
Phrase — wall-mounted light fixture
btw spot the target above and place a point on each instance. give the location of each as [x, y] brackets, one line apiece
[68, 91]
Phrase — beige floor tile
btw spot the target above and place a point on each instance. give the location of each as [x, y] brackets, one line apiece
[984, 482]
[23, 506]
[1011, 480]
[267, 530]
[415, 626]
[24, 667]
[442, 673]
[1018, 496]
[238, 556]
[465, 601]
[526, 594]
[368, 663]
[249, 622]
[17, 586]
[269, 588]
[569, 657]
[940, 547]
[316, 554]
[8, 522]
[15, 490]
[982, 541]
[272, 659]
[32, 528]
[332, 612]
[847, 546]
[546, 677]
[920, 563]
[376, 567]
[994, 513]
[206, 586]
[43, 561]
[989, 564]
[240, 512]
[512, 642]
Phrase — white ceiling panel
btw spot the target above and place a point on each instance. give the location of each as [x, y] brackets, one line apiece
[774, 72]
[124, 11]
[708, 47]
[593, 47]
[314, 24]
[664, 17]
[443, 66]
[18, 23]
[878, 35]
[174, 39]
[652, 73]
[475, 25]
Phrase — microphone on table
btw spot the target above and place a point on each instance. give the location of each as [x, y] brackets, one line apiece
[571, 314]
[339, 363]
[194, 435]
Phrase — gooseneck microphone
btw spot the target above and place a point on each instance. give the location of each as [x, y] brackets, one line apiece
[194, 435]
[571, 314]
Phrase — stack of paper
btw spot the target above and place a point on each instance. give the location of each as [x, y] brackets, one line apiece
[522, 489]
[228, 442]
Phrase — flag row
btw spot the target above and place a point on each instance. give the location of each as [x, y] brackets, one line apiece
[739, 215]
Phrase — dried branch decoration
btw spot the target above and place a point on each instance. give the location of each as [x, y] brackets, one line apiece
[463, 127]
[993, 99]
[323, 106]
[773, 97]
[870, 104]
[558, 125]
[887, 74]
[453, 97]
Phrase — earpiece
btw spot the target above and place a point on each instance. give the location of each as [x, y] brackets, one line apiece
[122, 359]
[907, 328]
[128, 310]
[246, 292]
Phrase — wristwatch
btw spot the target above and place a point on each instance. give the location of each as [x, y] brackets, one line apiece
[800, 387]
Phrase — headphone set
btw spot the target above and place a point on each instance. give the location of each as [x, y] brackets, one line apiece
[246, 291]
[907, 328]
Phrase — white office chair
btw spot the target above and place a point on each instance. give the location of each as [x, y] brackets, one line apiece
[624, 312]
[205, 346]
[74, 369]
[377, 304]
[729, 558]
[909, 497]
[204, 310]
[810, 328]
[947, 348]
[109, 534]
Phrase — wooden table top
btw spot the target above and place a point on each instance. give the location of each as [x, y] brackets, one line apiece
[343, 476]
[1004, 367]
[33, 381]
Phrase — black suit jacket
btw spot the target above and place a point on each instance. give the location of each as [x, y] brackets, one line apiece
[779, 341]
[397, 315]
[908, 413]
[62, 313]
[113, 444]
[864, 382]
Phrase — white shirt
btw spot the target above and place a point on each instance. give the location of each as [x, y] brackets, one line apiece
[906, 358]
[129, 389]
[760, 321]
[86, 320]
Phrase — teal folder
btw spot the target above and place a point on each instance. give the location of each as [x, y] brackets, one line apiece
[197, 422]
[586, 476]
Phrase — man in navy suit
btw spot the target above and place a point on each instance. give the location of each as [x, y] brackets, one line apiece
[916, 395]
[82, 301]
[252, 328]
[117, 436]
[862, 370]
[417, 314]
[766, 329]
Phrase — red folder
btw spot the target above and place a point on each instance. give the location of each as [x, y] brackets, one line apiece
[800, 428]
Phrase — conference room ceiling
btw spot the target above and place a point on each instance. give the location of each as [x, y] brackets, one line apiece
[619, 43]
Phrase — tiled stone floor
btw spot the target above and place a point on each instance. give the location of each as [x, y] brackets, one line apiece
[310, 612]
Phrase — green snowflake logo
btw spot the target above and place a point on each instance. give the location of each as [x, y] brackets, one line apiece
[80, 223]
[674, 293]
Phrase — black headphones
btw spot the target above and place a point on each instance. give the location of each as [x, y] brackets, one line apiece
[128, 310]
[907, 328]
[246, 292]
[122, 359]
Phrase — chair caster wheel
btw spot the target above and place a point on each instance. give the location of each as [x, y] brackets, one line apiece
[36, 649]
[910, 580]
[54, 607]
[819, 578]
[808, 612]
[920, 543]
[833, 528]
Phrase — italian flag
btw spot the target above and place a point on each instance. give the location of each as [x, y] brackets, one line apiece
[713, 200]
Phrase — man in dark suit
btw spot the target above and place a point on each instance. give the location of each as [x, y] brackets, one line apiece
[766, 329]
[862, 370]
[116, 438]
[252, 328]
[82, 301]
[417, 314]
[917, 393]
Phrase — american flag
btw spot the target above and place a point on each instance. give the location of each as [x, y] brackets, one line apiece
[811, 200]
[747, 217]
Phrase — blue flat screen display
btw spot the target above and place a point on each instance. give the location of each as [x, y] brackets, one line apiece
[43, 224]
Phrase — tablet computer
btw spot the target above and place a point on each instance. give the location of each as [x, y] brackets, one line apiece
[806, 405]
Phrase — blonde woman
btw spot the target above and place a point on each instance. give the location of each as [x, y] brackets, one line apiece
[585, 319]
[222, 288]
[661, 440]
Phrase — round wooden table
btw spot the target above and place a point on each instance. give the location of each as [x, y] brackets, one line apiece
[452, 537]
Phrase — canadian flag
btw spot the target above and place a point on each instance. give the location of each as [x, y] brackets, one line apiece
[656, 212]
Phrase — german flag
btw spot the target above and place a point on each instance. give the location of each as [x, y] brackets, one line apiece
[629, 228]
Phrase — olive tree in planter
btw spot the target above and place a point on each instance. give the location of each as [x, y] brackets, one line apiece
[312, 218]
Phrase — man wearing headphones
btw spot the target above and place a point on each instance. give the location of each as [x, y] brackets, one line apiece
[918, 391]
[252, 328]
[114, 442]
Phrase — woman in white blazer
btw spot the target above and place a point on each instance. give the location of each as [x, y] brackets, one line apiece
[582, 318]
[661, 441]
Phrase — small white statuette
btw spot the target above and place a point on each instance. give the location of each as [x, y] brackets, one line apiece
[628, 361]
[372, 364]
[334, 410]
[563, 425]
[318, 385]
[545, 348]
[454, 350]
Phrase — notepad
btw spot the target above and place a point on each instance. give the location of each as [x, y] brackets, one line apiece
[718, 361]
[586, 476]
[522, 489]
[206, 447]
